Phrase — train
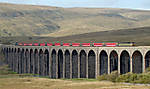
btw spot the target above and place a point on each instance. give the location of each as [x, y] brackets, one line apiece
[98, 44]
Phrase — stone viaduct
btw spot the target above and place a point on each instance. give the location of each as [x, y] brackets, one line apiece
[76, 62]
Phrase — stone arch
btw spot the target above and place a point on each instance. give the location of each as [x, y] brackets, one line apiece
[74, 64]
[53, 64]
[60, 63]
[91, 64]
[137, 62]
[113, 61]
[147, 60]
[31, 61]
[47, 62]
[124, 62]
[36, 61]
[41, 63]
[103, 60]
[67, 64]
[83, 63]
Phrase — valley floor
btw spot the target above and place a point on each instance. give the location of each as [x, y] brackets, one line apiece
[43, 83]
[10, 80]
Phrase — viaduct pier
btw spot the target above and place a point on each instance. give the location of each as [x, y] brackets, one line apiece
[76, 62]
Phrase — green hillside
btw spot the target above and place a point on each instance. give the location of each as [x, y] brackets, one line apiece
[28, 20]
[139, 35]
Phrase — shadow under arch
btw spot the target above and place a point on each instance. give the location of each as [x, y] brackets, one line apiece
[83, 63]
[113, 61]
[137, 61]
[11, 58]
[41, 63]
[6, 55]
[19, 60]
[22, 60]
[124, 62]
[27, 61]
[67, 64]
[31, 61]
[47, 62]
[53, 64]
[74, 64]
[60, 63]
[147, 60]
[91, 64]
[103, 60]
[14, 59]
[36, 62]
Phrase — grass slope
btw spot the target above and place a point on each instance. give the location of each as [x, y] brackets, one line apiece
[28, 20]
[10, 80]
[139, 35]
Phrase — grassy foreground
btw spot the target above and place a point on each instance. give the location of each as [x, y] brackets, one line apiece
[15, 81]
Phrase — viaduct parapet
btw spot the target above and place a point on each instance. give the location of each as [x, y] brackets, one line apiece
[76, 62]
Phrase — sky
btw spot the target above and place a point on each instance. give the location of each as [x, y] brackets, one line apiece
[132, 4]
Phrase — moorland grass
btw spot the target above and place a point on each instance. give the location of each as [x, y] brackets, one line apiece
[143, 78]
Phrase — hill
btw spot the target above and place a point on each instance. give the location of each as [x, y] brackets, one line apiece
[139, 35]
[29, 20]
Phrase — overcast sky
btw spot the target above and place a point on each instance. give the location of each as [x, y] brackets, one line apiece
[133, 4]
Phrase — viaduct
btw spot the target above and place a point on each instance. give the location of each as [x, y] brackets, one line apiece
[76, 62]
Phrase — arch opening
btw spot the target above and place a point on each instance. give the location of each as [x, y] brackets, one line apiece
[36, 62]
[91, 64]
[53, 64]
[137, 62]
[83, 64]
[147, 59]
[67, 64]
[47, 62]
[103, 60]
[41, 63]
[26, 61]
[74, 64]
[19, 60]
[124, 62]
[60, 64]
[22, 61]
[31, 61]
[113, 61]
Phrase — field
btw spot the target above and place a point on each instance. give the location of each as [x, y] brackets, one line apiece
[16, 81]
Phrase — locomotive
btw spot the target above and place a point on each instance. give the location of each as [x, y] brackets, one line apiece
[99, 44]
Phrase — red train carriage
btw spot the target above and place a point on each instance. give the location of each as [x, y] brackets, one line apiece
[111, 44]
[42, 44]
[75, 44]
[35, 44]
[66, 44]
[57, 44]
[49, 44]
[98, 44]
[25, 44]
[86, 44]
[30, 44]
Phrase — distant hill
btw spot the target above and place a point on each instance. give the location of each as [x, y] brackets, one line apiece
[139, 35]
[29, 20]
